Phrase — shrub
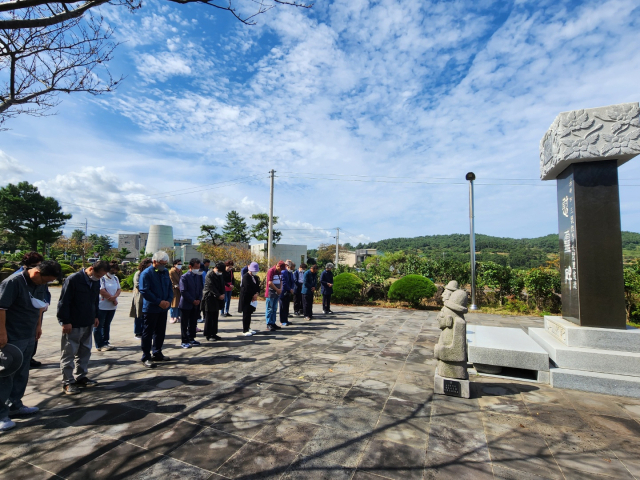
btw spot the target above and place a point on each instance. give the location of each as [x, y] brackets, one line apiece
[127, 283]
[541, 283]
[347, 287]
[412, 289]
[67, 269]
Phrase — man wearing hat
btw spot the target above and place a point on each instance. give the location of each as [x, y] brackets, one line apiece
[22, 303]
[272, 294]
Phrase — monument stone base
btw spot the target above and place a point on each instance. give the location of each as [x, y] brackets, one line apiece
[453, 387]
[591, 359]
[491, 348]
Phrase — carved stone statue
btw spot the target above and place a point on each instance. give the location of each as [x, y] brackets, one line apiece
[451, 350]
[451, 287]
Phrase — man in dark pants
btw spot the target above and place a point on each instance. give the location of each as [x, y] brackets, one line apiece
[326, 282]
[22, 302]
[78, 315]
[286, 294]
[298, 280]
[157, 293]
[190, 297]
[212, 300]
[308, 290]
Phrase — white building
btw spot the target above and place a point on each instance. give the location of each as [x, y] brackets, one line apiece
[296, 253]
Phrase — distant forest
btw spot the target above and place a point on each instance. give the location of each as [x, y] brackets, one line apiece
[516, 252]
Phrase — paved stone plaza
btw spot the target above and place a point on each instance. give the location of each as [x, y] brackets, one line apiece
[342, 397]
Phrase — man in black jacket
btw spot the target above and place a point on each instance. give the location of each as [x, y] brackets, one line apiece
[78, 315]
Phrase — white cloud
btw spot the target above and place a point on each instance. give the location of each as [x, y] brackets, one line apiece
[11, 171]
[388, 88]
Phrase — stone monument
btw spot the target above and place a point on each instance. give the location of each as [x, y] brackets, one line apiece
[591, 346]
[582, 151]
[451, 376]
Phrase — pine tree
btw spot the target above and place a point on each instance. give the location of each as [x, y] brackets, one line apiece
[235, 230]
[27, 214]
[260, 231]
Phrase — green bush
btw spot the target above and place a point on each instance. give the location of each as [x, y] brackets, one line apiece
[541, 283]
[412, 289]
[127, 283]
[347, 287]
[64, 262]
[67, 269]
[7, 270]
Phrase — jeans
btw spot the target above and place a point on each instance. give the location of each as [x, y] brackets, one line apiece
[12, 387]
[101, 333]
[154, 327]
[175, 312]
[307, 301]
[227, 303]
[137, 326]
[189, 324]
[272, 308]
[284, 308]
[75, 354]
[326, 302]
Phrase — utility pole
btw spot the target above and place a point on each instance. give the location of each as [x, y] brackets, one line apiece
[269, 245]
[337, 245]
[472, 238]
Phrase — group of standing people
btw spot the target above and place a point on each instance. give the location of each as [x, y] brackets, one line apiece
[89, 299]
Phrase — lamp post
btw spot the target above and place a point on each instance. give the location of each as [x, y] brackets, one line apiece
[472, 238]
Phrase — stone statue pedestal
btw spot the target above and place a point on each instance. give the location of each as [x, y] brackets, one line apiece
[453, 387]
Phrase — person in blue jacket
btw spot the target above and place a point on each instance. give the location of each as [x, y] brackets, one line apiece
[190, 298]
[157, 293]
[308, 290]
[286, 294]
[326, 284]
[298, 280]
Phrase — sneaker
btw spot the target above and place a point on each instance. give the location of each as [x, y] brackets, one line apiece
[284, 324]
[273, 329]
[6, 424]
[325, 312]
[277, 327]
[85, 382]
[34, 363]
[253, 331]
[186, 345]
[248, 334]
[23, 410]
[228, 315]
[200, 320]
[330, 312]
[173, 320]
[102, 349]
[307, 318]
[71, 389]
[139, 337]
[109, 347]
[149, 364]
[161, 359]
[198, 330]
[195, 343]
[216, 338]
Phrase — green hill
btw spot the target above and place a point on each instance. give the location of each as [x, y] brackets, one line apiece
[516, 252]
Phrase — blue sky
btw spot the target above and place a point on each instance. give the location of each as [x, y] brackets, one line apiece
[371, 113]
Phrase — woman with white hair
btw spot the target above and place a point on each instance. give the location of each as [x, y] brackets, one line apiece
[157, 292]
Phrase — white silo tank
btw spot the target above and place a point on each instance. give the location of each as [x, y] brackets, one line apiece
[160, 236]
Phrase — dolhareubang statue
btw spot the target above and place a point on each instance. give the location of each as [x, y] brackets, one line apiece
[451, 350]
